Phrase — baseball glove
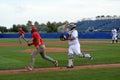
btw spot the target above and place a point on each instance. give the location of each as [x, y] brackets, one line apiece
[63, 37]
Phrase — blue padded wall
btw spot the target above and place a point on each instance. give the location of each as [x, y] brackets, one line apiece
[84, 35]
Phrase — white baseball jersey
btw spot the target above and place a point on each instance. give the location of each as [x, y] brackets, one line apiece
[74, 34]
[74, 45]
[114, 34]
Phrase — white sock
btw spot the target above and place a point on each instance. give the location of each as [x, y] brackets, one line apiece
[70, 62]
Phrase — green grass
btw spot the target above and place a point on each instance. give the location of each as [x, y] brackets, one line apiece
[87, 74]
[16, 40]
[11, 57]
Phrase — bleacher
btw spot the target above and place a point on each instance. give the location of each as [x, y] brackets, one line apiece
[98, 25]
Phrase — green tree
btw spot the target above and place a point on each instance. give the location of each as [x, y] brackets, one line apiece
[14, 28]
[49, 27]
[52, 27]
[3, 29]
[43, 27]
[24, 27]
[29, 24]
[36, 24]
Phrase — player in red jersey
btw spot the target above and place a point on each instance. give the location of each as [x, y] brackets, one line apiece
[39, 48]
[21, 35]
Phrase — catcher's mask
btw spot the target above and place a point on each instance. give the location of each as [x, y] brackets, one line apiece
[72, 26]
[33, 29]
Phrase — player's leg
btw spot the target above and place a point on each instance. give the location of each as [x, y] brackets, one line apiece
[32, 59]
[116, 39]
[87, 55]
[20, 39]
[70, 57]
[70, 61]
[44, 56]
[113, 38]
[24, 38]
[78, 52]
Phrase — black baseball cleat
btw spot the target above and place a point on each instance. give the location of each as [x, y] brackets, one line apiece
[91, 58]
[70, 66]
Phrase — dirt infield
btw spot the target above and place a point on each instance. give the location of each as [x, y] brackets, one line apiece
[59, 68]
[47, 49]
[57, 50]
[51, 43]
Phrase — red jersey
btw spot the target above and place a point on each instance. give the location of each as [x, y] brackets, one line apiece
[37, 40]
[21, 32]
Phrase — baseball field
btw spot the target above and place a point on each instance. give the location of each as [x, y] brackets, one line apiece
[105, 65]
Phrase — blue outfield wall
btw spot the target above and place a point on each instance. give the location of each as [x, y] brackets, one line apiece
[95, 35]
[83, 35]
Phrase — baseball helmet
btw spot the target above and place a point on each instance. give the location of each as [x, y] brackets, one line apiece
[33, 29]
[72, 26]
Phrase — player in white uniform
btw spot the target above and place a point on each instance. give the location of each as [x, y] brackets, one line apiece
[114, 35]
[74, 45]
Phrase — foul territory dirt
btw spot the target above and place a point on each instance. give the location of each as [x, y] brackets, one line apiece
[59, 68]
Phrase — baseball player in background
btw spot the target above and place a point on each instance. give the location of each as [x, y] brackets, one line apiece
[39, 48]
[21, 35]
[114, 35]
[74, 45]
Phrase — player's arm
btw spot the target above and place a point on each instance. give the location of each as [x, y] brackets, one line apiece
[29, 44]
[65, 27]
[71, 38]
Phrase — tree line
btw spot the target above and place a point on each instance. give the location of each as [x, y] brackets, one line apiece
[48, 27]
